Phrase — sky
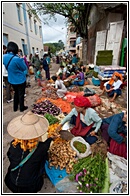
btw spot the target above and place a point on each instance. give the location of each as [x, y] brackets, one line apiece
[54, 31]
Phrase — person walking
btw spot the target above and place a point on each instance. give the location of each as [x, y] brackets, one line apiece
[27, 153]
[16, 76]
[35, 62]
[46, 66]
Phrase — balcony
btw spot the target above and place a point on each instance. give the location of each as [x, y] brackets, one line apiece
[72, 35]
[72, 48]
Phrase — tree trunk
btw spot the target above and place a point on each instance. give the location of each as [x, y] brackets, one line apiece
[84, 51]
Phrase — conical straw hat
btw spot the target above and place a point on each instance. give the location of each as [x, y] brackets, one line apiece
[28, 126]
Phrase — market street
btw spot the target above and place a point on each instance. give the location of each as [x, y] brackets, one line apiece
[33, 94]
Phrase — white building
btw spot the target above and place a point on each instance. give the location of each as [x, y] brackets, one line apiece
[22, 27]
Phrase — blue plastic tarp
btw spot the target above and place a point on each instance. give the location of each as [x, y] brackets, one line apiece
[55, 175]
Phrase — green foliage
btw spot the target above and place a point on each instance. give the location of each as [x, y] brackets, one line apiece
[51, 119]
[55, 46]
[90, 173]
[76, 13]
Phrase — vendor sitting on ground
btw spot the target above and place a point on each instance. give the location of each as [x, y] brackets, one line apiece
[112, 87]
[27, 153]
[62, 71]
[80, 79]
[113, 125]
[114, 128]
[59, 86]
[84, 119]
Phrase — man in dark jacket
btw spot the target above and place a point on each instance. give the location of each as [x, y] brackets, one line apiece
[46, 67]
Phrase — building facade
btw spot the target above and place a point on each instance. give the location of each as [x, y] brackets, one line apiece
[22, 27]
[107, 30]
[71, 40]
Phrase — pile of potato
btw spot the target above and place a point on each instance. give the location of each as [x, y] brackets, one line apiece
[61, 154]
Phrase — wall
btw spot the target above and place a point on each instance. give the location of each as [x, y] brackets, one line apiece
[17, 31]
[99, 22]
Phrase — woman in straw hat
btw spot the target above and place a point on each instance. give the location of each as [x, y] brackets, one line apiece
[84, 119]
[27, 154]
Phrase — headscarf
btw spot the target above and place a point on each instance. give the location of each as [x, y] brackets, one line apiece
[81, 101]
[26, 144]
[111, 81]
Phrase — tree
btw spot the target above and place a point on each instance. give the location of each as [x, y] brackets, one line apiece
[55, 46]
[76, 13]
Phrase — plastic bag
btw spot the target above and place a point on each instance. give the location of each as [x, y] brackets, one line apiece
[66, 186]
[88, 149]
[118, 166]
[119, 186]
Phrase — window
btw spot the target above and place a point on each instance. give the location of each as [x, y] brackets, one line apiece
[24, 47]
[40, 31]
[35, 26]
[33, 52]
[19, 12]
[5, 39]
[30, 22]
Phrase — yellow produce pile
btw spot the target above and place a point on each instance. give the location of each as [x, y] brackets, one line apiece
[52, 129]
[62, 155]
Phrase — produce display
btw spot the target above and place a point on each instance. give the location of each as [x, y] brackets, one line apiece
[100, 146]
[50, 92]
[63, 105]
[46, 107]
[61, 155]
[52, 130]
[90, 174]
[51, 119]
[79, 146]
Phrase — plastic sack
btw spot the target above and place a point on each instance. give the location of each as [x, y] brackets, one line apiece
[88, 148]
[119, 186]
[118, 167]
[66, 186]
[95, 100]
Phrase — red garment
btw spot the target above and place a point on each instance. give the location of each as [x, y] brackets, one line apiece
[78, 130]
[81, 101]
[118, 149]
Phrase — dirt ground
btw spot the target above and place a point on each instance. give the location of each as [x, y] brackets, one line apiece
[32, 94]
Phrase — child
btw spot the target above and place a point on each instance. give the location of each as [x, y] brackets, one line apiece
[39, 75]
[59, 86]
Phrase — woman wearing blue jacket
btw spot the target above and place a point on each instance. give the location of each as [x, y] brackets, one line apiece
[113, 126]
[16, 68]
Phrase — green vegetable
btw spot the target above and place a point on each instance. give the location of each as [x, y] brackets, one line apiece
[106, 184]
[90, 173]
[79, 146]
[51, 119]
